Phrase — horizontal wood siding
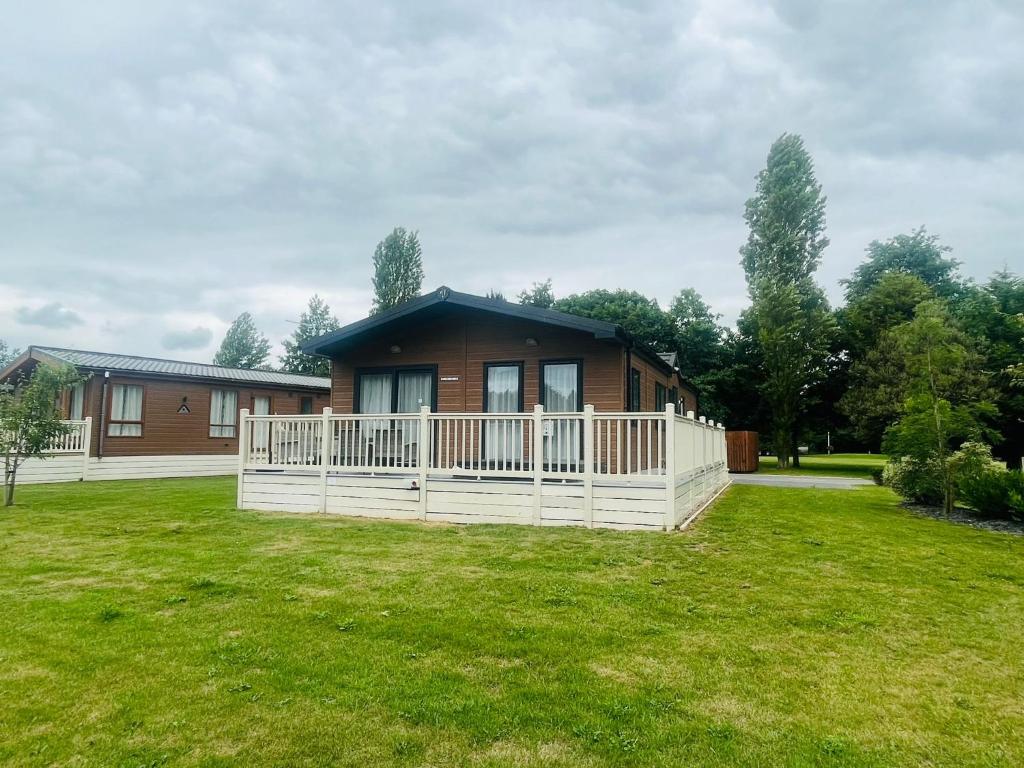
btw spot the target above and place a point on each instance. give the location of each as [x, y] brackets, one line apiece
[165, 431]
[650, 375]
[460, 345]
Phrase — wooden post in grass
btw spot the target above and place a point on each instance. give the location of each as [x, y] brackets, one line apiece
[243, 449]
[588, 466]
[538, 460]
[670, 466]
[326, 449]
[423, 457]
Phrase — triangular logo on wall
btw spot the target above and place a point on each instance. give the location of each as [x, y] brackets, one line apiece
[184, 409]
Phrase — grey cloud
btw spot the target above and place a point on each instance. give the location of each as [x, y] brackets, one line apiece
[52, 315]
[157, 155]
[197, 338]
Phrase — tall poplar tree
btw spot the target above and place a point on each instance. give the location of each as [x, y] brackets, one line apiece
[243, 345]
[792, 321]
[315, 321]
[397, 269]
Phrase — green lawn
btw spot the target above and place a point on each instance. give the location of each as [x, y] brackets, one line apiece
[149, 623]
[838, 464]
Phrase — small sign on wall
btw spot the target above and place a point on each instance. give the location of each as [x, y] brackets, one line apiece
[449, 378]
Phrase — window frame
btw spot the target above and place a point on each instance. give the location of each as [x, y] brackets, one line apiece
[521, 365]
[660, 396]
[635, 383]
[394, 371]
[211, 425]
[110, 413]
[578, 362]
[252, 404]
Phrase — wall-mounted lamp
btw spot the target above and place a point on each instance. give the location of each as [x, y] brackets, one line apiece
[531, 342]
[395, 349]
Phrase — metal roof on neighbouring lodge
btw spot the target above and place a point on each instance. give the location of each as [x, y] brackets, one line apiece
[104, 361]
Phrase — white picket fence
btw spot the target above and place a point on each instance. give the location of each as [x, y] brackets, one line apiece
[628, 470]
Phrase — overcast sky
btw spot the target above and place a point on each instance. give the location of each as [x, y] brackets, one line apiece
[165, 166]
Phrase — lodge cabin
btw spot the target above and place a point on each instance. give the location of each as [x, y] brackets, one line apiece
[150, 417]
[459, 353]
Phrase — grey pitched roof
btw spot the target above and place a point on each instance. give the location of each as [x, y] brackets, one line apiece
[444, 295]
[132, 364]
[669, 357]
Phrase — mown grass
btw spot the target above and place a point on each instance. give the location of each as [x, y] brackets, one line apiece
[149, 623]
[838, 465]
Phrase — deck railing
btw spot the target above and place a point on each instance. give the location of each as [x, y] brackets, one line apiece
[75, 440]
[681, 454]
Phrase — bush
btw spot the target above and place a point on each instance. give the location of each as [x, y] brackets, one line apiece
[916, 480]
[995, 493]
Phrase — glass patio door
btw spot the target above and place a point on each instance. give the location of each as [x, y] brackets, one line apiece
[261, 429]
[561, 392]
[503, 438]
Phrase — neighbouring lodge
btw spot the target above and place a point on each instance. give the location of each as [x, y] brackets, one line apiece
[161, 418]
[456, 352]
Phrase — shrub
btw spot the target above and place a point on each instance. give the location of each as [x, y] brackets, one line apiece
[916, 480]
[995, 492]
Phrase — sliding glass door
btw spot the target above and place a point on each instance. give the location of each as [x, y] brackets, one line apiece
[562, 392]
[397, 391]
[503, 393]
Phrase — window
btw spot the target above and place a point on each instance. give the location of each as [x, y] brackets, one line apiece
[503, 387]
[674, 399]
[561, 386]
[561, 391]
[634, 390]
[76, 401]
[306, 405]
[223, 412]
[660, 396]
[403, 390]
[503, 393]
[125, 411]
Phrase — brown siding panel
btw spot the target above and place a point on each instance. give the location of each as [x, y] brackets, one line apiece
[460, 346]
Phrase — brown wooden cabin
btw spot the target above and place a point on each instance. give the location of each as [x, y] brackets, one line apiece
[144, 406]
[462, 353]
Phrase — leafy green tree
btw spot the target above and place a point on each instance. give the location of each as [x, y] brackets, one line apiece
[993, 316]
[539, 295]
[786, 220]
[888, 303]
[947, 401]
[702, 355]
[7, 354]
[877, 390]
[793, 333]
[315, 321]
[699, 334]
[397, 269]
[786, 217]
[918, 254]
[243, 345]
[638, 315]
[30, 419]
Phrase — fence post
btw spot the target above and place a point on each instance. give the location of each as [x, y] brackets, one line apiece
[423, 457]
[538, 460]
[86, 446]
[588, 466]
[243, 450]
[326, 449]
[670, 466]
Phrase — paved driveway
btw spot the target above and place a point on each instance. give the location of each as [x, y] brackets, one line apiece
[800, 481]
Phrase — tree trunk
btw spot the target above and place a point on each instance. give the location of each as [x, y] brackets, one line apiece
[8, 489]
[794, 445]
[782, 449]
